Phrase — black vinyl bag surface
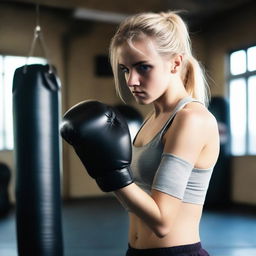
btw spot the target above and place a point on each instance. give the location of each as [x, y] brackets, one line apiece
[36, 112]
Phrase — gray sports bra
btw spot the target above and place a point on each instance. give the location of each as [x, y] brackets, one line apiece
[153, 169]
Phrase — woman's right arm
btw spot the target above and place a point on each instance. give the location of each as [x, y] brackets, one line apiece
[158, 211]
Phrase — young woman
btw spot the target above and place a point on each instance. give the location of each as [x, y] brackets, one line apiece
[177, 146]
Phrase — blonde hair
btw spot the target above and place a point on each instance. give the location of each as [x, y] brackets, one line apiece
[171, 37]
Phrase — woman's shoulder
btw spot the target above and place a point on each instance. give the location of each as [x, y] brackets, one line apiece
[195, 116]
[193, 129]
[195, 113]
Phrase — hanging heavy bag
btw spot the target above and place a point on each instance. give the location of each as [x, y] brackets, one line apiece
[36, 93]
[5, 177]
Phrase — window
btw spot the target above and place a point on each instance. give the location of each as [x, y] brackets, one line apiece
[8, 65]
[242, 96]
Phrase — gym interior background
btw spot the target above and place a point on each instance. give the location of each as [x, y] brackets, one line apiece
[77, 34]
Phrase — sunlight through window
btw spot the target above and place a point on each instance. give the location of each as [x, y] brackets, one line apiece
[242, 96]
[238, 62]
[238, 115]
[252, 113]
[251, 58]
[7, 68]
[1, 104]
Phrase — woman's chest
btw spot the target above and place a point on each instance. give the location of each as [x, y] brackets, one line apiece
[150, 130]
[145, 162]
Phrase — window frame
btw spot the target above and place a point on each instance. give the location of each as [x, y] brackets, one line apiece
[246, 76]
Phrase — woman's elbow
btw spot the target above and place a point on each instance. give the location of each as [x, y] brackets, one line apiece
[161, 231]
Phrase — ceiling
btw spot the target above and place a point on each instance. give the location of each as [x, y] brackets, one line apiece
[197, 12]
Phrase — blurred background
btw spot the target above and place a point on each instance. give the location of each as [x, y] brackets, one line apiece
[77, 34]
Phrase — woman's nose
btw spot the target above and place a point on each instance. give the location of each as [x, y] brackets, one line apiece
[132, 79]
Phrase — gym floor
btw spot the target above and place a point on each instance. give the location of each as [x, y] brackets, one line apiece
[98, 227]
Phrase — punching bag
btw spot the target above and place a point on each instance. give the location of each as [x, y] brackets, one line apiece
[36, 112]
[5, 177]
[133, 118]
[219, 191]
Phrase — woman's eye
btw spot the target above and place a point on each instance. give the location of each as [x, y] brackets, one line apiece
[144, 68]
[124, 69]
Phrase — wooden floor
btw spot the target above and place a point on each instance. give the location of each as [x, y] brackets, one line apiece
[98, 227]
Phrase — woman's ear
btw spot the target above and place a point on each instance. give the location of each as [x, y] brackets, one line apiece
[176, 63]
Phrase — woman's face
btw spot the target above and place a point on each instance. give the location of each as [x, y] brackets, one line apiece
[147, 74]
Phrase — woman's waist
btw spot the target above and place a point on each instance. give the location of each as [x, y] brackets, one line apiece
[185, 231]
[145, 240]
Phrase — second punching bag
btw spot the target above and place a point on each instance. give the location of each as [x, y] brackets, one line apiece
[37, 153]
[133, 118]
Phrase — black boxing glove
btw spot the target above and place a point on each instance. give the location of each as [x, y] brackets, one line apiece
[101, 138]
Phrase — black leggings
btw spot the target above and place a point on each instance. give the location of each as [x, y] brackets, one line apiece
[182, 250]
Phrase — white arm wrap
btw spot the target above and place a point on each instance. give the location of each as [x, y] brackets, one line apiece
[172, 175]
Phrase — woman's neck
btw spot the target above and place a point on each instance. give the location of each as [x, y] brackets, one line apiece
[168, 103]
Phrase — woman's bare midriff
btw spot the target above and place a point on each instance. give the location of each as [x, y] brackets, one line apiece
[184, 230]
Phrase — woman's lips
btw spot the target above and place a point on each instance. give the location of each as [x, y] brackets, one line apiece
[137, 93]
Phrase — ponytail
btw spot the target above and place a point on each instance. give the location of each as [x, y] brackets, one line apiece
[195, 82]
